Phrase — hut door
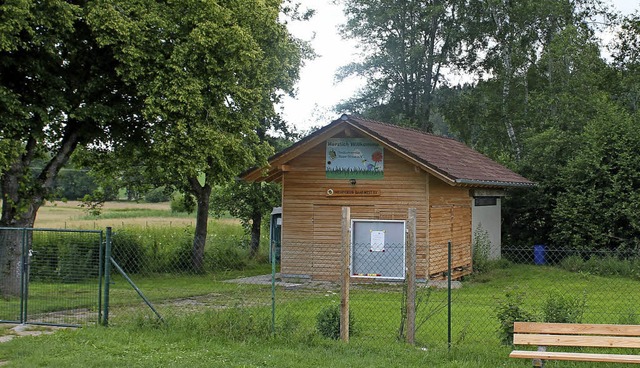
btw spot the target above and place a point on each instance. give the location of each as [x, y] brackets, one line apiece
[327, 237]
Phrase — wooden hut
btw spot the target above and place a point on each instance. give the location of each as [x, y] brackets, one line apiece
[380, 171]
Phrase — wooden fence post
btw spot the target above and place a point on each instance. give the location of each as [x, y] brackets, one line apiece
[411, 276]
[346, 273]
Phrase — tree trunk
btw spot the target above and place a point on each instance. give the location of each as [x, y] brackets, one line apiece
[203, 195]
[10, 262]
[256, 223]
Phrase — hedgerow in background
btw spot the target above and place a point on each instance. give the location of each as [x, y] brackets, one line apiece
[144, 250]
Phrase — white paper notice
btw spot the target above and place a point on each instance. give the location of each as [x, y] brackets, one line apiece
[377, 241]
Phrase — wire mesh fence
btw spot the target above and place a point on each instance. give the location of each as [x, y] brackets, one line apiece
[302, 294]
[56, 276]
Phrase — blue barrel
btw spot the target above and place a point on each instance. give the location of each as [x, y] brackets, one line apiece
[539, 254]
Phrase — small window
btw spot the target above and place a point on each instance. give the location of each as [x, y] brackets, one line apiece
[486, 201]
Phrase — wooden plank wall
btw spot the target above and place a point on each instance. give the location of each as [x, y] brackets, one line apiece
[311, 220]
[449, 220]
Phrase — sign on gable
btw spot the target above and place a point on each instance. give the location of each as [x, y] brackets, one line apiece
[354, 158]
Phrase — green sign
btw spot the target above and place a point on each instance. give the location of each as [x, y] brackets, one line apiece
[354, 158]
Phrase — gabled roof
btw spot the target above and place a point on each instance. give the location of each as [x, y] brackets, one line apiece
[445, 158]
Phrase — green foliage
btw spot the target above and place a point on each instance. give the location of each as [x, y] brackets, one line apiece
[128, 251]
[564, 308]
[152, 250]
[64, 258]
[182, 203]
[328, 322]
[509, 310]
[74, 184]
[404, 46]
[481, 247]
[157, 195]
[598, 206]
[607, 265]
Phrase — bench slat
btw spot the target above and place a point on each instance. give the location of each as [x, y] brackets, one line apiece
[574, 340]
[576, 329]
[581, 357]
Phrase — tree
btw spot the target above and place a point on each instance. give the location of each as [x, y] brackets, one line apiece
[502, 47]
[209, 72]
[626, 56]
[59, 90]
[568, 87]
[599, 207]
[249, 202]
[405, 44]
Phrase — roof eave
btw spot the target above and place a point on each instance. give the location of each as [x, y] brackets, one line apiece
[499, 184]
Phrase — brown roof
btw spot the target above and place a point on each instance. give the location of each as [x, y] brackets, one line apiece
[448, 159]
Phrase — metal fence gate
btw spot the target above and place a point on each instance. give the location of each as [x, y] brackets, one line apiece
[56, 277]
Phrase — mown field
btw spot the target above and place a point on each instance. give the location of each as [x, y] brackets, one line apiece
[70, 215]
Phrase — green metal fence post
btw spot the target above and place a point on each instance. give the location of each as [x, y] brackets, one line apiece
[449, 295]
[273, 288]
[100, 276]
[23, 278]
[107, 276]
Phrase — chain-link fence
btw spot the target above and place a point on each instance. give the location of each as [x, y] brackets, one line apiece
[303, 293]
[526, 283]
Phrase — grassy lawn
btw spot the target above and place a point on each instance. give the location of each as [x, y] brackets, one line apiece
[232, 328]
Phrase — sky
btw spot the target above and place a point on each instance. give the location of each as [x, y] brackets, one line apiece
[317, 91]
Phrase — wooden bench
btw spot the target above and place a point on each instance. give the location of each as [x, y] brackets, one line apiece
[576, 335]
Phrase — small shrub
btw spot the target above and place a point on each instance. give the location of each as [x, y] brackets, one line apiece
[44, 265]
[328, 322]
[573, 263]
[481, 247]
[562, 308]
[511, 310]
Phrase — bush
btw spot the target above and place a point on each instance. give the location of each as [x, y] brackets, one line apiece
[181, 203]
[511, 310]
[481, 247]
[562, 308]
[328, 322]
[157, 195]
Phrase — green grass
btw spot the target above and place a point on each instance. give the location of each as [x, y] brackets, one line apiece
[231, 325]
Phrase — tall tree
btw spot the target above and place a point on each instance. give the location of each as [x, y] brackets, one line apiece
[626, 56]
[405, 44]
[599, 205]
[503, 43]
[209, 71]
[59, 90]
